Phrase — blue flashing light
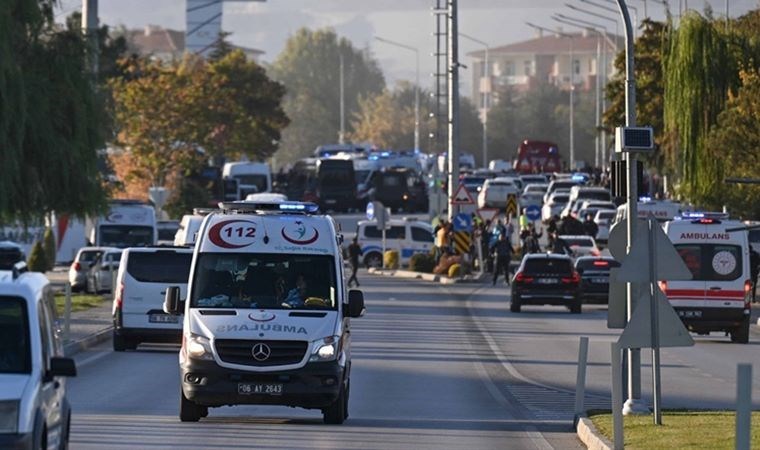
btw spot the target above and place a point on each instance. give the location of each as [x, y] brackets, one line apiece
[300, 207]
[373, 158]
[645, 199]
[385, 154]
[578, 177]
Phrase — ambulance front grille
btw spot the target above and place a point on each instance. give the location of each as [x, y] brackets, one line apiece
[241, 351]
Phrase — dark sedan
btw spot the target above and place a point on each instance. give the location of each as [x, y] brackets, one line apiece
[595, 277]
[546, 279]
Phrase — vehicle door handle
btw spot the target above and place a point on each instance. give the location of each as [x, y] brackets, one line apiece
[715, 288]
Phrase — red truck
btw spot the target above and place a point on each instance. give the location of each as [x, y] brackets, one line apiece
[537, 157]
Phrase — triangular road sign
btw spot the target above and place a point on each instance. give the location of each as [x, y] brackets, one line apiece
[461, 196]
[635, 266]
[488, 213]
[638, 332]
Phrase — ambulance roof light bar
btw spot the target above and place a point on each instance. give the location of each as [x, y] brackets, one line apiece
[271, 207]
[688, 215]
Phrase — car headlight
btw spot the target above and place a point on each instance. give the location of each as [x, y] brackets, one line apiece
[198, 347]
[9, 416]
[325, 349]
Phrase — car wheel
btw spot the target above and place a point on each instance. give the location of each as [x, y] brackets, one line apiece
[189, 411]
[740, 334]
[121, 343]
[335, 414]
[65, 433]
[514, 305]
[576, 306]
[373, 259]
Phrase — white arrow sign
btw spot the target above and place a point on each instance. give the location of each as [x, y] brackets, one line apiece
[671, 332]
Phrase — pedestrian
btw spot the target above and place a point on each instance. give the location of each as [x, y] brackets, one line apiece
[523, 220]
[502, 251]
[354, 252]
[754, 271]
[561, 246]
[590, 227]
[441, 240]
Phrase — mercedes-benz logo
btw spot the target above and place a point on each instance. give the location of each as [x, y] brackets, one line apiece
[261, 352]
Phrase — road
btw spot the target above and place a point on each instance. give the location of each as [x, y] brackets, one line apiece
[423, 378]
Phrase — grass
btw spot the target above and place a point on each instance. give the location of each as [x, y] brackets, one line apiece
[79, 302]
[708, 430]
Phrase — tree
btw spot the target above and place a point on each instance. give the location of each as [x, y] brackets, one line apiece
[37, 260]
[48, 240]
[51, 118]
[309, 67]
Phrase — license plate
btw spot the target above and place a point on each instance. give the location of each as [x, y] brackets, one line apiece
[260, 388]
[599, 280]
[690, 313]
[547, 281]
[162, 318]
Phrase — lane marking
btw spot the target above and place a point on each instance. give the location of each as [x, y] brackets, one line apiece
[92, 359]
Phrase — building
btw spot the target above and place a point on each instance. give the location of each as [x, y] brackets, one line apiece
[166, 44]
[543, 59]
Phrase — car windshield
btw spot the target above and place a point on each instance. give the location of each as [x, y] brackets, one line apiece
[712, 262]
[258, 180]
[555, 266]
[123, 236]
[264, 280]
[14, 336]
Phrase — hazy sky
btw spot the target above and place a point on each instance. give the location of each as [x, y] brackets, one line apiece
[266, 26]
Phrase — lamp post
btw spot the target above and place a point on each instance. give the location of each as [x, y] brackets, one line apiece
[486, 95]
[572, 88]
[416, 86]
[600, 16]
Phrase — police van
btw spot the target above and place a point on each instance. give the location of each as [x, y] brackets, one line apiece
[716, 251]
[407, 236]
[267, 314]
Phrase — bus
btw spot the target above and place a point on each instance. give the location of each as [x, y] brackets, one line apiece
[537, 157]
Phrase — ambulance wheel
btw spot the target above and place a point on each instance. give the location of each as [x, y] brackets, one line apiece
[374, 259]
[190, 411]
[336, 413]
[740, 334]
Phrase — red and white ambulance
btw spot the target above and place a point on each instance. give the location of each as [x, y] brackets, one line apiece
[717, 298]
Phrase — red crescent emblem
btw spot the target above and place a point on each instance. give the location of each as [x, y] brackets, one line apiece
[215, 234]
[296, 241]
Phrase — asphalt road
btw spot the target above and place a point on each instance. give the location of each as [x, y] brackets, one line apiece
[423, 378]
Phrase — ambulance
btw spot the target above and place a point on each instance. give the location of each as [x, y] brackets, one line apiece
[267, 314]
[716, 251]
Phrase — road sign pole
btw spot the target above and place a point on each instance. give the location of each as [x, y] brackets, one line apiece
[656, 383]
[383, 255]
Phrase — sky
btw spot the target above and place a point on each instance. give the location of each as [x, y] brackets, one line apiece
[267, 25]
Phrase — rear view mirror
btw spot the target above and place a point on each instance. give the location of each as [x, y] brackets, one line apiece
[62, 367]
[355, 303]
[172, 303]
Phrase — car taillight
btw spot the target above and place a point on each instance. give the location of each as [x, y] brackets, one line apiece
[76, 266]
[574, 279]
[663, 286]
[119, 296]
[747, 293]
[521, 278]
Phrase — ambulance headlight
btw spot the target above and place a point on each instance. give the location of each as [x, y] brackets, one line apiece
[199, 347]
[325, 349]
[9, 417]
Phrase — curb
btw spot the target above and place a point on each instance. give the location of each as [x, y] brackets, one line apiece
[74, 347]
[408, 274]
[590, 437]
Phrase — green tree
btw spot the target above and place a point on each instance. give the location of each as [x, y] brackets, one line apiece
[309, 67]
[48, 240]
[37, 260]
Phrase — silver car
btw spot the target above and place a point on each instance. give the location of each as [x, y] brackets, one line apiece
[81, 266]
[103, 270]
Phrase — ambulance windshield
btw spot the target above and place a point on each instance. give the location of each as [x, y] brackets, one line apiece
[264, 281]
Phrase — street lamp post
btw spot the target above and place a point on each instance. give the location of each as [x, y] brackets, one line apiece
[416, 86]
[486, 95]
[572, 88]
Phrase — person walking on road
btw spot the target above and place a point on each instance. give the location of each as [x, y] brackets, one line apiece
[502, 255]
[590, 226]
[754, 271]
[561, 246]
[354, 252]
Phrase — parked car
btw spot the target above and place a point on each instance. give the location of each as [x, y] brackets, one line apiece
[595, 277]
[581, 245]
[10, 254]
[143, 276]
[102, 270]
[81, 266]
[34, 409]
[546, 279]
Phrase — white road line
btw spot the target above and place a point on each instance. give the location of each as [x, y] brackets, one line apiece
[92, 359]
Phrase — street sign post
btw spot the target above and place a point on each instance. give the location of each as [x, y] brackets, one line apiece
[512, 207]
[463, 222]
[488, 213]
[461, 196]
[533, 212]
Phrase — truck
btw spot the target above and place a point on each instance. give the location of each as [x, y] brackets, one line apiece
[537, 157]
[128, 223]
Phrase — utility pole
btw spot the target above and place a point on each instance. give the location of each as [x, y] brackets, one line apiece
[342, 132]
[90, 31]
[453, 103]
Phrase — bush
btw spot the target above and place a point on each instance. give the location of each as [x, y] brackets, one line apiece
[390, 259]
[37, 260]
[422, 262]
[49, 244]
[455, 271]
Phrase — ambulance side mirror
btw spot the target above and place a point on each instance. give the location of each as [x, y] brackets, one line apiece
[355, 304]
[172, 303]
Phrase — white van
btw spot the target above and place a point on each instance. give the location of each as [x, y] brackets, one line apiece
[144, 274]
[129, 223]
[34, 410]
[189, 226]
[252, 177]
[718, 297]
[405, 236]
[662, 210]
[267, 314]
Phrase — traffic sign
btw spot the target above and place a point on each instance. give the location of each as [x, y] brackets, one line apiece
[488, 213]
[512, 205]
[462, 196]
[533, 212]
[463, 222]
[635, 266]
[462, 242]
[638, 332]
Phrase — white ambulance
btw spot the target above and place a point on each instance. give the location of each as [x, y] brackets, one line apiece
[129, 223]
[718, 296]
[267, 314]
